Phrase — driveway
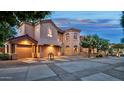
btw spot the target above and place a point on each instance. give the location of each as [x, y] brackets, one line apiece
[102, 69]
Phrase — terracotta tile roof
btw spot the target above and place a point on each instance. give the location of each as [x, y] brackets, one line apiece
[74, 29]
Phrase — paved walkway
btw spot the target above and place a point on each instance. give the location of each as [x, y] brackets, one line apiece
[102, 69]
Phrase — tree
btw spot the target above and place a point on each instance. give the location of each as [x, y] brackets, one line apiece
[100, 44]
[87, 43]
[122, 24]
[122, 20]
[111, 51]
[9, 21]
[118, 47]
[122, 40]
[94, 42]
[104, 45]
[6, 32]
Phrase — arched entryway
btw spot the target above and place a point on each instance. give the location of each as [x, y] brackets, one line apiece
[75, 49]
[67, 50]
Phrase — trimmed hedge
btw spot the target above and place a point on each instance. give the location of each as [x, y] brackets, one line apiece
[4, 56]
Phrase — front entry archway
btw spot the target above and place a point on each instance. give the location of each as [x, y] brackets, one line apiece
[67, 50]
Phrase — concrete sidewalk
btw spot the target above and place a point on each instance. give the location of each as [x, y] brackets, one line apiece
[104, 69]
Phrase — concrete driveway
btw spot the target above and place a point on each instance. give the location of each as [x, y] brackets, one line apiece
[102, 69]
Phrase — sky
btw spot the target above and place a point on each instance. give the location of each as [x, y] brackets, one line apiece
[103, 23]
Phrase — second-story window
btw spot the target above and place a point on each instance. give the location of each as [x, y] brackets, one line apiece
[49, 32]
[67, 36]
[75, 35]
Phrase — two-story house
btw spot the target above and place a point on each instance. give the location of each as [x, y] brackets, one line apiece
[42, 38]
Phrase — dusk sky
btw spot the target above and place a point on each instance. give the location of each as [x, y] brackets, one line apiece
[104, 24]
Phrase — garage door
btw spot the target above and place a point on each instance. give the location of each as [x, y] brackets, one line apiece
[23, 51]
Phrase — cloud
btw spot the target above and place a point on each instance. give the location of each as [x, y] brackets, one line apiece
[106, 28]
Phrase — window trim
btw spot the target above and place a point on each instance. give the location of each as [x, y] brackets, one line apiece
[75, 35]
[67, 36]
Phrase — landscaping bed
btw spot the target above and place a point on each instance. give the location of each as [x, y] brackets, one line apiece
[5, 57]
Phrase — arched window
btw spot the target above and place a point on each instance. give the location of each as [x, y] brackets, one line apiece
[67, 36]
[75, 35]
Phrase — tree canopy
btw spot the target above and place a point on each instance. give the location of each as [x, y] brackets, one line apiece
[118, 46]
[9, 20]
[122, 24]
[122, 40]
[94, 41]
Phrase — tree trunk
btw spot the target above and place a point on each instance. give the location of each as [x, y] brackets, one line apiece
[89, 52]
[93, 50]
[97, 51]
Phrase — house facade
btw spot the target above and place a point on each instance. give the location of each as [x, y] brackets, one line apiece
[44, 37]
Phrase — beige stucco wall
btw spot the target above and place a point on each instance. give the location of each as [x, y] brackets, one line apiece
[26, 29]
[29, 30]
[71, 42]
[45, 50]
[40, 33]
[37, 32]
[21, 30]
[43, 37]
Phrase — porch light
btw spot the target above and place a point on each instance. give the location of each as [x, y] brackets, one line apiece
[25, 42]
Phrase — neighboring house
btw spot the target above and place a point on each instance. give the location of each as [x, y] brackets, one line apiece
[42, 38]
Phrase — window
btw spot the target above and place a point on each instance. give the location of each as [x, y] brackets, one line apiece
[67, 36]
[75, 35]
[49, 32]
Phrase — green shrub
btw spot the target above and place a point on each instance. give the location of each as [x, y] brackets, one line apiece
[4, 56]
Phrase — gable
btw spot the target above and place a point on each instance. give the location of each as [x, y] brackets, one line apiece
[20, 39]
[48, 28]
[48, 34]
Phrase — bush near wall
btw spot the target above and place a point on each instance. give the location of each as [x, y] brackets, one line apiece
[4, 56]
